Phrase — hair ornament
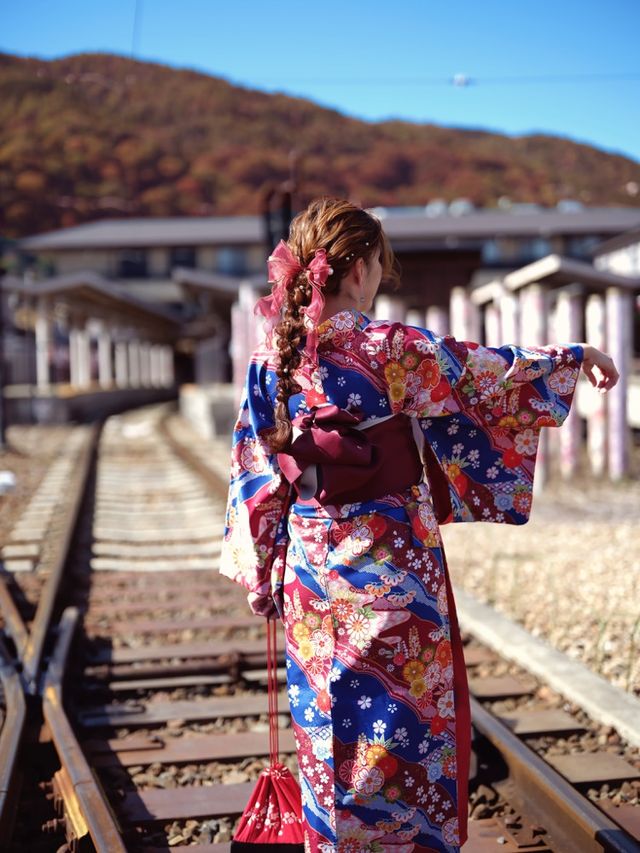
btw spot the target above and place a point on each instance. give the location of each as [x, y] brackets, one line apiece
[283, 267]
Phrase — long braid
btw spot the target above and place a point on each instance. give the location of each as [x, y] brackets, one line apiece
[288, 334]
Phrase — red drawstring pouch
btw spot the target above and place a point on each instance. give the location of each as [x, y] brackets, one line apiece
[272, 820]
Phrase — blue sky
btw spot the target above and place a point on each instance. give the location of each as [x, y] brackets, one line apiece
[390, 59]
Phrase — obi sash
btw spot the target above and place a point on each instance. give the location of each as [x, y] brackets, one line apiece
[336, 457]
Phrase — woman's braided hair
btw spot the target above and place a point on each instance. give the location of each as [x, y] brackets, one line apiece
[346, 232]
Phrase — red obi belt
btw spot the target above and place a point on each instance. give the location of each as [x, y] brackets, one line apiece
[336, 457]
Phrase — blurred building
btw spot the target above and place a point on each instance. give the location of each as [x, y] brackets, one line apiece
[195, 266]
[473, 273]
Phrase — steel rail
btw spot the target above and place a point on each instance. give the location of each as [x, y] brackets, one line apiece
[13, 622]
[215, 482]
[10, 738]
[574, 824]
[32, 658]
[89, 809]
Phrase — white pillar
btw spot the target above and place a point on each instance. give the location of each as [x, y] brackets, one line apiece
[84, 357]
[134, 363]
[43, 341]
[389, 308]
[533, 318]
[438, 320]
[79, 356]
[415, 318]
[145, 365]
[121, 364]
[170, 370]
[155, 366]
[73, 356]
[105, 364]
[165, 366]
[568, 329]
[509, 318]
[492, 325]
[597, 420]
[619, 319]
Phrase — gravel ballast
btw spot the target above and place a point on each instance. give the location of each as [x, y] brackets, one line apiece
[570, 576]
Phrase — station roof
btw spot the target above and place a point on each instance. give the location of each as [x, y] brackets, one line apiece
[149, 232]
[557, 271]
[225, 286]
[401, 225]
[89, 292]
[620, 241]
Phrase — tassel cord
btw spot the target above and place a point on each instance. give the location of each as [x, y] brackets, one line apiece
[272, 690]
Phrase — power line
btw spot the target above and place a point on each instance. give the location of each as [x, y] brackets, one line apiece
[464, 80]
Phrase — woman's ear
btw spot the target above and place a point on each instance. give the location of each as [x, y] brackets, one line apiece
[359, 270]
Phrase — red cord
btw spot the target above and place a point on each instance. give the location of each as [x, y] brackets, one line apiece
[272, 690]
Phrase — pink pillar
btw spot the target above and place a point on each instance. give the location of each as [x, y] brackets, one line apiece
[246, 332]
[438, 320]
[533, 318]
[619, 318]
[465, 316]
[238, 350]
[568, 329]
[247, 297]
[597, 420]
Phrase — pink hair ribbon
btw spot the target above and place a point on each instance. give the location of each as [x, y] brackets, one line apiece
[283, 267]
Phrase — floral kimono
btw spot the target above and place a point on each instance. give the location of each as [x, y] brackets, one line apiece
[375, 671]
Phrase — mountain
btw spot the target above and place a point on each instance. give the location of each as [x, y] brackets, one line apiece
[96, 135]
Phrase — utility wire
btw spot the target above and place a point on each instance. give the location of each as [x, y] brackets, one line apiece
[465, 80]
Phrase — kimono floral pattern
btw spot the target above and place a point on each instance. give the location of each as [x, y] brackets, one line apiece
[375, 672]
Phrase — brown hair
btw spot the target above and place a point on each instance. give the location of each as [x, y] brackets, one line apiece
[346, 232]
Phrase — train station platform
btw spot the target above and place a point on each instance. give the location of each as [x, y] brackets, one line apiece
[61, 403]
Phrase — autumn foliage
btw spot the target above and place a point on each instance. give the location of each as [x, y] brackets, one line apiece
[94, 136]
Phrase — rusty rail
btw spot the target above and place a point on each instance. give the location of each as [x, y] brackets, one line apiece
[10, 739]
[86, 807]
[574, 825]
[44, 612]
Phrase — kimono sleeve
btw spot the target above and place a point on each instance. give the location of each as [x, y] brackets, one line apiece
[487, 445]
[255, 538]
[481, 411]
[519, 388]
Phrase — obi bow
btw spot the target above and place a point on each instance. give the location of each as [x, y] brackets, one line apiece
[334, 461]
[326, 435]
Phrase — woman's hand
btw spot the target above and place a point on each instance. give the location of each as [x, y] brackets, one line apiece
[262, 605]
[607, 374]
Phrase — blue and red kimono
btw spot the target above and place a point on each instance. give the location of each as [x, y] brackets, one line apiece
[375, 671]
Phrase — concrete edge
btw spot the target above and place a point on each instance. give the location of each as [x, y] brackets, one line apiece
[604, 702]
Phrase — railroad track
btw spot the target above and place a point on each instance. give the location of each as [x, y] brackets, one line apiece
[151, 712]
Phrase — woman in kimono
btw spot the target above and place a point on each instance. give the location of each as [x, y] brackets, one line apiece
[333, 524]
